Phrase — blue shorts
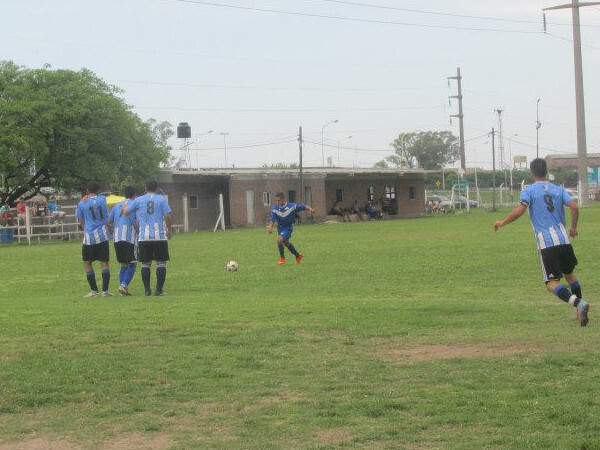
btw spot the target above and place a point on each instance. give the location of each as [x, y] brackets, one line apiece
[285, 233]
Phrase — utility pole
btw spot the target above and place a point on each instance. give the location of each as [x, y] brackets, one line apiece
[458, 77]
[538, 125]
[501, 143]
[225, 146]
[579, 97]
[300, 145]
[493, 171]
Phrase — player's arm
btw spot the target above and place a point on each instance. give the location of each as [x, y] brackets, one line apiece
[270, 227]
[79, 215]
[574, 207]
[309, 209]
[169, 224]
[514, 215]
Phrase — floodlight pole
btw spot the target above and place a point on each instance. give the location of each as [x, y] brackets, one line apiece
[301, 174]
[579, 97]
[493, 133]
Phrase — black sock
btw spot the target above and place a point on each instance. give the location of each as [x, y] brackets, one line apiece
[291, 248]
[105, 279]
[564, 294]
[281, 250]
[91, 277]
[576, 289]
[161, 276]
[146, 277]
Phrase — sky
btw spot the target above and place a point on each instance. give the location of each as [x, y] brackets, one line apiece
[247, 74]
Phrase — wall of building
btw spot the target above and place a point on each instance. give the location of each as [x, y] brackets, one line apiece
[239, 186]
[554, 162]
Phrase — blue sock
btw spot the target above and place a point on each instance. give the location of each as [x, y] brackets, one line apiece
[91, 277]
[122, 275]
[281, 249]
[292, 249]
[563, 293]
[129, 273]
[105, 279]
[576, 289]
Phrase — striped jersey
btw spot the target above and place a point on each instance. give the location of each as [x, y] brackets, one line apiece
[151, 209]
[92, 210]
[123, 226]
[285, 215]
[546, 202]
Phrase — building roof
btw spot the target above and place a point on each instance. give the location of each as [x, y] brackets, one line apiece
[572, 156]
[306, 170]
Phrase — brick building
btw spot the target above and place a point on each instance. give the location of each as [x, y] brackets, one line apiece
[249, 193]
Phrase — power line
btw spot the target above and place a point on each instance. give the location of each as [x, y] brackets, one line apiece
[352, 19]
[293, 111]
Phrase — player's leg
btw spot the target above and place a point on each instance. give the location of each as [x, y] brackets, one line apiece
[281, 249]
[162, 256]
[568, 262]
[146, 260]
[103, 255]
[89, 272]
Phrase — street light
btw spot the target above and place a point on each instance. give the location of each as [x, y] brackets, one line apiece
[538, 125]
[225, 145]
[323, 140]
[339, 140]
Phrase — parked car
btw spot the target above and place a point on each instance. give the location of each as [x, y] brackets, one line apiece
[461, 202]
[443, 203]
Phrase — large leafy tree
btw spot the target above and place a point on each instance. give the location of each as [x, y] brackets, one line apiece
[424, 149]
[63, 128]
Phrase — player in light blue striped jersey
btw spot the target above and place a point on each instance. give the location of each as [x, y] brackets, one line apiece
[546, 202]
[125, 240]
[92, 217]
[154, 215]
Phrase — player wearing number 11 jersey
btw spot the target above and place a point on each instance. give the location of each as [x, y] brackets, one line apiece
[154, 215]
[546, 203]
[92, 217]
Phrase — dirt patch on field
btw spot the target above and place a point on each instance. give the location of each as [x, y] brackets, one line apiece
[39, 444]
[436, 351]
[333, 436]
[139, 442]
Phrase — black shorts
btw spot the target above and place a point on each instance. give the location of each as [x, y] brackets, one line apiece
[557, 261]
[153, 251]
[126, 252]
[96, 252]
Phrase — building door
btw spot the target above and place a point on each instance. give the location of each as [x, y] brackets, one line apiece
[308, 195]
[250, 206]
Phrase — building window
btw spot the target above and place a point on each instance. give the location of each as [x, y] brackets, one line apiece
[371, 193]
[339, 195]
[412, 192]
[266, 198]
[292, 196]
[392, 192]
[193, 199]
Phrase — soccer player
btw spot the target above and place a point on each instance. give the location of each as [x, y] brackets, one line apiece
[546, 203]
[284, 214]
[92, 217]
[154, 215]
[125, 240]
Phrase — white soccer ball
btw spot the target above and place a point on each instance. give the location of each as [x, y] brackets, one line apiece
[232, 266]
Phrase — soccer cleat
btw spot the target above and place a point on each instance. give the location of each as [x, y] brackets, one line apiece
[299, 258]
[107, 294]
[91, 294]
[281, 261]
[124, 291]
[159, 293]
[148, 293]
[582, 312]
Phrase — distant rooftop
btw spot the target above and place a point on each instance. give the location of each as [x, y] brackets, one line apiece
[306, 170]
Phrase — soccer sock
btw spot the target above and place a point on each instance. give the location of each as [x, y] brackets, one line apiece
[565, 295]
[161, 276]
[105, 279]
[281, 250]
[291, 248]
[146, 276]
[122, 274]
[91, 277]
[576, 289]
[129, 273]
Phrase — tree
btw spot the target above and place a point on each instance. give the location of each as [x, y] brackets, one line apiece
[63, 128]
[426, 149]
[281, 165]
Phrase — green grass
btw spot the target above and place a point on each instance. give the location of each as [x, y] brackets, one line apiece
[425, 333]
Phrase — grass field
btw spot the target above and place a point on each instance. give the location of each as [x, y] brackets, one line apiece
[425, 333]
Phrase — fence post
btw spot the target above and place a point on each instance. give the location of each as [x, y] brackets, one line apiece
[186, 223]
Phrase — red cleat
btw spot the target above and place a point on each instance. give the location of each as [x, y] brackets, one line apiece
[299, 258]
[281, 261]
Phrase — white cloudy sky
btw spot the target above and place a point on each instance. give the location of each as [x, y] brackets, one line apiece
[259, 69]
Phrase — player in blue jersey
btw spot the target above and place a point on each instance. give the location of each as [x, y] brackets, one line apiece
[125, 240]
[154, 215]
[546, 203]
[92, 217]
[284, 214]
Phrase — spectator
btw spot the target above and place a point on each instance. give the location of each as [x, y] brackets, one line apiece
[372, 211]
[6, 216]
[41, 209]
[337, 210]
[356, 209]
[53, 210]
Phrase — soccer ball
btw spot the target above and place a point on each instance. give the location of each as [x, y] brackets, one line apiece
[232, 266]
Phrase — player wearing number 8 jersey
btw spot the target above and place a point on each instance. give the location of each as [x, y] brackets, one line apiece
[92, 217]
[154, 215]
[546, 202]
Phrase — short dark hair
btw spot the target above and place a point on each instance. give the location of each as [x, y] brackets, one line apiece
[151, 186]
[539, 168]
[129, 192]
[280, 195]
[93, 188]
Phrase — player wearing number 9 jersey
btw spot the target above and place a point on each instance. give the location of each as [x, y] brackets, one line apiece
[92, 217]
[546, 203]
[154, 215]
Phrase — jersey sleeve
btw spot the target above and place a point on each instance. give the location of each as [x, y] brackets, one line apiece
[166, 208]
[273, 217]
[525, 198]
[301, 207]
[79, 213]
[566, 197]
[134, 205]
